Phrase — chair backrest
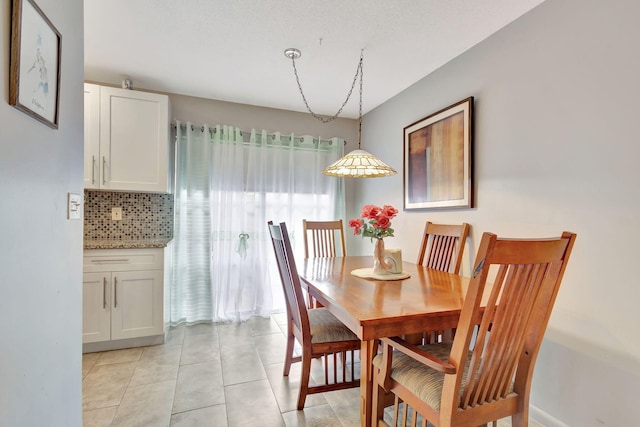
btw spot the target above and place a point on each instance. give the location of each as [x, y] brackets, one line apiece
[525, 276]
[443, 245]
[324, 238]
[294, 296]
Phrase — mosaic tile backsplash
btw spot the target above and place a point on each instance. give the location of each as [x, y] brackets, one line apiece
[144, 215]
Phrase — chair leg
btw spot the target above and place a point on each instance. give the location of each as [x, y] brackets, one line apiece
[288, 354]
[377, 405]
[520, 419]
[304, 380]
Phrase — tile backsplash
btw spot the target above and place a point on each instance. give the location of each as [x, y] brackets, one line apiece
[144, 215]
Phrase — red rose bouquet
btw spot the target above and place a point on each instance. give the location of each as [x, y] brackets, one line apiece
[375, 222]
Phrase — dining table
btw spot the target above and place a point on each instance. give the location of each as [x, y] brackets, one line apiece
[417, 300]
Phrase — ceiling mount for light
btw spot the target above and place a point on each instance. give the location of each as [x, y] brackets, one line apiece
[358, 163]
[292, 53]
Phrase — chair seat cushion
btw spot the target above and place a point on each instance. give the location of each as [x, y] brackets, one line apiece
[421, 380]
[325, 327]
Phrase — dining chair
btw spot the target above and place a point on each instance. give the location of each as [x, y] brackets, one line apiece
[443, 245]
[320, 334]
[321, 238]
[485, 373]
[442, 248]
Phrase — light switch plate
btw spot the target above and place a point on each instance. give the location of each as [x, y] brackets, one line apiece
[116, 214]
[74, 206]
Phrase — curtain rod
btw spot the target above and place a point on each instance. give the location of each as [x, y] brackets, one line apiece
[242, 132]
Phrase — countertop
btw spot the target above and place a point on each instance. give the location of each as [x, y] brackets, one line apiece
[125, 244]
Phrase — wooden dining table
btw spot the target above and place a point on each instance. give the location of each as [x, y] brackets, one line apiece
[425, 301]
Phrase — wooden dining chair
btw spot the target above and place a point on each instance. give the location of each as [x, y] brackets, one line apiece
[321, 241]
[442, 248]
[320, 334]
[485, 374]
[321, 238]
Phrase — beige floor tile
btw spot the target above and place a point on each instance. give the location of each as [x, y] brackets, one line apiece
[346, 405]
[158, 363]
[102, 417]
[88, 360]
[175, 335]
[280, 318]
[212, 416]
[119, 356]
[263, 326]
[316, 416]
[207, 328]
[241, 365]
[198, 349]
[271, 348]
[199, 385]
[230, 335]
[286, 389]
[146, 405]
[252, 404]
[105, 385]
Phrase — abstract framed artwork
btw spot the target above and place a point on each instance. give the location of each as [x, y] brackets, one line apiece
[438, 159]
[34, 78]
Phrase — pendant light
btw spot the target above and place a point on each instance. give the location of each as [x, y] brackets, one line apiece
[358, 163]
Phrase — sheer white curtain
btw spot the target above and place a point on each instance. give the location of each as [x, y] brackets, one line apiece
[228, 185]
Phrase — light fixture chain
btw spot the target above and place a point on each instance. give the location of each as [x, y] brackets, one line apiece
[327, 119]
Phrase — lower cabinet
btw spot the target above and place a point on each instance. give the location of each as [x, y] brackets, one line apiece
[122, 298]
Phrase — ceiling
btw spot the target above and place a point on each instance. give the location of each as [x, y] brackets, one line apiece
[233, 50]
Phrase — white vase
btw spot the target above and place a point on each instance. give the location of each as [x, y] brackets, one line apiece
[379, 266]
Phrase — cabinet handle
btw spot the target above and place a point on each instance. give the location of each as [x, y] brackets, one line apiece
[104, 292]
[111, 260]
[115, 292]
[93, 169]
[104, 170]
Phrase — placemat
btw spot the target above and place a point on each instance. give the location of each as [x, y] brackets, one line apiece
[367, 273]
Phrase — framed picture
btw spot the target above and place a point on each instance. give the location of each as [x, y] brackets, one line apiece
[34, 85]
[438, 159]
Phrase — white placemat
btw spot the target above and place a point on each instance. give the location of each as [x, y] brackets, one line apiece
[367, 273]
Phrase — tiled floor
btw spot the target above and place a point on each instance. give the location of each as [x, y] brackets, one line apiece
[209, 375]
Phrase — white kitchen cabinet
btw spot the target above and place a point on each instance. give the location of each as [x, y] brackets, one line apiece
[91, 135]
[96, 308]
[122, 298]
[126, 139]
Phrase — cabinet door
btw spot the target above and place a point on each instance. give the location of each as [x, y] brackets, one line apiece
[96, 317]
[136, 308]
[92, 160]
[134, 140]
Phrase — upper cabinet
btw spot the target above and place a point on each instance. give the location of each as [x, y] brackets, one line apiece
[126, 140]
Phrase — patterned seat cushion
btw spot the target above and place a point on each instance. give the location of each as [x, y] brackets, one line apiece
[325, 327]
[421, 380]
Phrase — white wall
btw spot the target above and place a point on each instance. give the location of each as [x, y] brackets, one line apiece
[40, 250]
[556, 148]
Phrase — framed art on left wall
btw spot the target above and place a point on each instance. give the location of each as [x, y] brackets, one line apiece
[34, 79]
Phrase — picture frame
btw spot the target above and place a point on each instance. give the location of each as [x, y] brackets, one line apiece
[438, 159]
[34, 77]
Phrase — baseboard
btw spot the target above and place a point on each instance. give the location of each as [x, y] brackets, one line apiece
[544, 419]
[120, 344]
